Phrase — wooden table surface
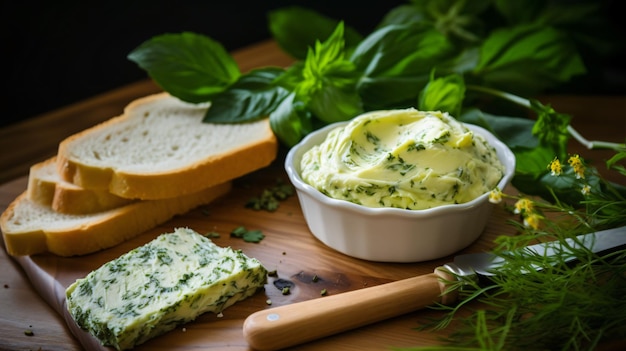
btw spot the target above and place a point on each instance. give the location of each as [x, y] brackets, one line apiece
[288, 245]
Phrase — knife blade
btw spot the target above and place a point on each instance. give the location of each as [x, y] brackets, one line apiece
[289, 325]
[487, 264]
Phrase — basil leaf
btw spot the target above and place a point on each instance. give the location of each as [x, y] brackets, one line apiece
[518, 12]
[295, 29]
[587, 26]
[190, 66]
[458, 20]
[396, 61]
[334, 104]
[564, 186]
[530, 165]
[253, 96]
[463, 62]
[443, 94]
[583, 20]
[403, 14]
[292, 76]
[290, 121]
[328, 86]
[526, 60]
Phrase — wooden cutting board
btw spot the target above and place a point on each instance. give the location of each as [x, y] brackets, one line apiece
[288, 247]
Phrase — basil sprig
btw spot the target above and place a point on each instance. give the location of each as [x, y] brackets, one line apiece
[433, 54]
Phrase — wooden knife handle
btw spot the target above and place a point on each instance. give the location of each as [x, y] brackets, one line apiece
[289, 325]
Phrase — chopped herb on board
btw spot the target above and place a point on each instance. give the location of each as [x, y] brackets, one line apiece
[270, 198]
[284, 285]
[212, 235]
[250, 236]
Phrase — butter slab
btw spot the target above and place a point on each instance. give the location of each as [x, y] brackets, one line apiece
[160, 285]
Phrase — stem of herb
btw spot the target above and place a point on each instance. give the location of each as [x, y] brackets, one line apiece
[594, 144]
[589, 144]
[507, 96]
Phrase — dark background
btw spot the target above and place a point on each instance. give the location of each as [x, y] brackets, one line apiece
[59, 52]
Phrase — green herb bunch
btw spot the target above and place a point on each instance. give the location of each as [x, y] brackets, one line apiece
[562, 306]
[433, 54]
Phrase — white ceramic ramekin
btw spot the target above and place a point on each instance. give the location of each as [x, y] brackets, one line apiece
[392, 234]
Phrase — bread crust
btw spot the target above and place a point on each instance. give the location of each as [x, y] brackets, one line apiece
[105, 205]
[85, 234]
[160, 184]
[45, 187]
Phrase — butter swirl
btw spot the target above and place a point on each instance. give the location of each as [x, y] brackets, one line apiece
[405, 159]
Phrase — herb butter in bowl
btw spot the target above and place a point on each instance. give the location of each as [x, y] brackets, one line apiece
[398, 185]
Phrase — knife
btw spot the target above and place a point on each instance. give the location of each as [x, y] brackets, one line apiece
[284, 326]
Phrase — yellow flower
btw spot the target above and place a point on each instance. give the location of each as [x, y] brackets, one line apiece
[586, 189]
[495, 196]
[523, 206]
[555, 167]
[533, 220]
[577, 164]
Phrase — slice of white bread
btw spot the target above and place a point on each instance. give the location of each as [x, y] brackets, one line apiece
[46, 187]
[30, 228]
[160, 148]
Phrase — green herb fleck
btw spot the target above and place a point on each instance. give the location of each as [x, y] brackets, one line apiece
[251, 236]
[442, 139]
[372, 138]
[416, 147]
[212, 235]
[270, 198]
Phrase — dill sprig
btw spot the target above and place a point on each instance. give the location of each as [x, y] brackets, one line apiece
[563, 305]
